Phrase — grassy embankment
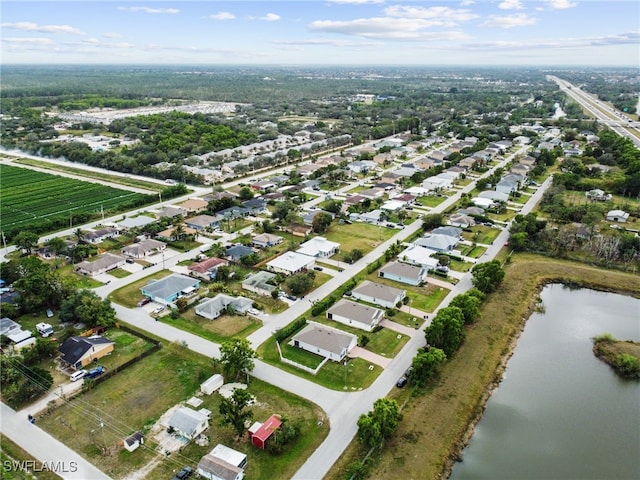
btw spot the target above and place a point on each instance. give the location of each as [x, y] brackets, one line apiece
[622, 355]
[438, 422]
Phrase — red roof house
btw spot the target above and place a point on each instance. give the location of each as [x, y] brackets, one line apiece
[260, 436]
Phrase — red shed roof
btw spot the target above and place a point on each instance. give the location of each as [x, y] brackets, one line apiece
[266, 430]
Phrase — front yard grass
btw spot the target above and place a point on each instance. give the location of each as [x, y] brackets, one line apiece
[481, 234]
[218, 330]
[472, 251]
[119, 273]
[386, 342]
[430, 200]
[361, 236]
[426, 297]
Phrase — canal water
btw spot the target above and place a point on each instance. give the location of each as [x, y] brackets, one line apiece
[560, 412]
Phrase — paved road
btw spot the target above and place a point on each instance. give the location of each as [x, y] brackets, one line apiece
[342, 409]
[67, 463]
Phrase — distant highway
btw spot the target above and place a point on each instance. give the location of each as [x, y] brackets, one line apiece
[612, 118]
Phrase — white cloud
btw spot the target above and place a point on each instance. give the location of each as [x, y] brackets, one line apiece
[327, 41]
[466, 3]
[170, 11]
[445, 13]
[269, 17]
[356, 2]
[112, 35]
[509, 21]
[561, 4]
[631, 38]
[511, 5]
[34, 27]
[33, 41]
[222, 16]
[386, 28]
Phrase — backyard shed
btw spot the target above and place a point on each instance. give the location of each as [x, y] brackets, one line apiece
[212, 384]
[260, 435]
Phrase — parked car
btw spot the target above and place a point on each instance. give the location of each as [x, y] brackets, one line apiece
[253, 311]
[77, 375]
[49, 313]
[318, 268]
[402, 381]
[144, 301]
[183, 474]
[158, 309]
[408, 372]
[95, 372]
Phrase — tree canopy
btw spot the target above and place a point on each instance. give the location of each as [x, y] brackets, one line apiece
[236, 356]
[487, 276]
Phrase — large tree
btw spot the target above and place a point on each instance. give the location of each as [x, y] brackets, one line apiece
[446, 330]
[26, 240]
[380, 423]
[321, 222]
[37, 285]
[236, 356]
[234, 412]
[426, 366]
[85, 306]
[487, 276]
[470, 306]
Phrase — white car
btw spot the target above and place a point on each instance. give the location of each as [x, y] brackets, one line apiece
[159, 309]
[253, 311]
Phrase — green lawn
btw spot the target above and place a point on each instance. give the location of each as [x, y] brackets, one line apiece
[298, 355]
[471, 251]
[430, 200]
[386, 342]
[119, 273]
[481, 234]
[80, 281]
[358, 235]
[218, 330]
[425, 298]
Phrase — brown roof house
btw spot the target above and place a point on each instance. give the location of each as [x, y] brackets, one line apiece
[222, 463]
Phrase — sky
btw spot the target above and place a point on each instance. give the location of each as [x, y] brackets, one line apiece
[329, 32]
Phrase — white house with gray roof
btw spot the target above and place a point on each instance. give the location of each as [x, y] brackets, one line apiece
[355, 315]
[212, 308]
[144, 248]
[188, 423]
[438, 242]
[325, 341]
[291, 262]
[102, 264]
[418, 255]
[404, 273]
[379, 294]
[319, 247]
[259, 283]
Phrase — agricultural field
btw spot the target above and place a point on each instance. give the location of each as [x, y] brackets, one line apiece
[30, 197]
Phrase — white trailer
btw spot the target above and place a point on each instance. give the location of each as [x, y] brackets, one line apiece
[212, 384]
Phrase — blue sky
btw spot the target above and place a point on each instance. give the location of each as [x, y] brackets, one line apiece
[334, 32]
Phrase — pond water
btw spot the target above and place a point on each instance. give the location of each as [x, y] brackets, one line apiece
[560, 412]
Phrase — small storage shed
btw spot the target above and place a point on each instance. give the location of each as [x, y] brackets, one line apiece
[211, 384]
[134, 441]
[260, 435]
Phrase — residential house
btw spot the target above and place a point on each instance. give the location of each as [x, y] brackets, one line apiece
[355, 315]
[261, 432]
[362, 166]
[222, 463]
[451, 231]
[520, 169]
[212, 308]
[194, 205]
[100, 235]
[437, 242]
[275, 196]
[372, 193]
[78, 352]
[135, 222]
[206, 269]
[266, 240]
[236, 252]
[391, 177]
[265, 185]
[171, 211]
[255, 206]
[461, 220]
[171, 235]
[188, 423]
[619, 216]
[404, 273]
[102, 264]
[494, 195]
[418, 255]
[416, 191]
[325, 341]
[508, 184]
[307, 217]
[144, 248]
[437, 183]
[319, 247]
[378, 294]
[201, 222]
[484, 203]
[598, 195]
[259, 283]
[393, 205]
[372, 217]
[233, 212]
[13, 331]
[471, 211]
[291, 262]
[168, 289]
[424, 163]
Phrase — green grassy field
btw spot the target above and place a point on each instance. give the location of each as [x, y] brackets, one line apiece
[29, 196]
[360, 236]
